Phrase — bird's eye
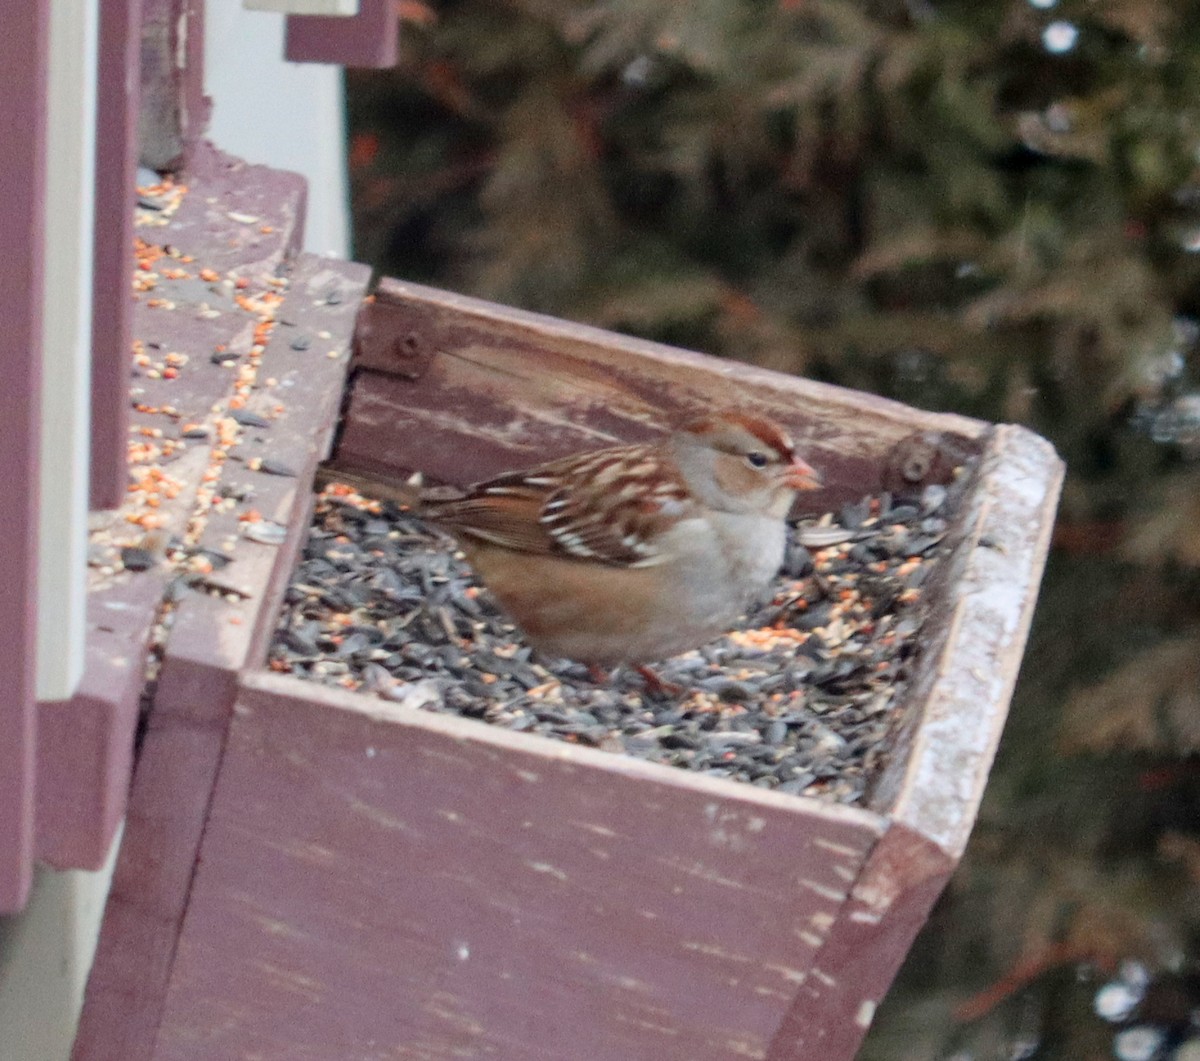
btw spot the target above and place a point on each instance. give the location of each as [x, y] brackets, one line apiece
[757, 459]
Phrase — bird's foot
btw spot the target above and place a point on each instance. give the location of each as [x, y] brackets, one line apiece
[657, 685]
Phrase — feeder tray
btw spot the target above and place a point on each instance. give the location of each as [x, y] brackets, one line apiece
[314, 873]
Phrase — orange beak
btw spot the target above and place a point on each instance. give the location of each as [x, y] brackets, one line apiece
[801, 476]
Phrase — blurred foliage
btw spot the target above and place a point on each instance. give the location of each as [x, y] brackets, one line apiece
[991, 206]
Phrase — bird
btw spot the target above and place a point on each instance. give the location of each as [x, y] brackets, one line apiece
[633, 554]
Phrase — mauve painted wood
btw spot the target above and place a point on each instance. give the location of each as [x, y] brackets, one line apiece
[112, 307]
[890, 901]
[981, 605]
[362, 865]
[465, 389]
[207, 647]
[24, 51]
[168, 807]
[85, 756]
[368, 39]
[415, 885]
[302, 406]
[85, 744]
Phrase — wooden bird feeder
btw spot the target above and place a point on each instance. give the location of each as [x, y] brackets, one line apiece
[312, 873]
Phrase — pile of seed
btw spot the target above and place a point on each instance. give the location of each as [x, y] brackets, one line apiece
[801, 698]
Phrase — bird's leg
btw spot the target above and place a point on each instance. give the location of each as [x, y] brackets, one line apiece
[599, 675]
[655, 684]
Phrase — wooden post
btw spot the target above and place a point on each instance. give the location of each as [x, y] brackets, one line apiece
[24, 55]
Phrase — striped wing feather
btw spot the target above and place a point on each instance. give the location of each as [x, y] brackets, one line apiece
[608, 507]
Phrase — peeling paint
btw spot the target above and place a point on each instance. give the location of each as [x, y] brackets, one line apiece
[715, 951]
[380, 817]
[274, 927]
[442, 1005]
[707, 873]
[825, 978]
[593, 827]
[292, 981]
[822, 890]
[545, 867]
[304, 851]
[865, 917]
[646, 1025]
[721, 837]
[993, 597]
[746, 1048]
[795, 976]
[837, 849]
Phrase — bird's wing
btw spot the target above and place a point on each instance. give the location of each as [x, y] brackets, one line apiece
[609, 507]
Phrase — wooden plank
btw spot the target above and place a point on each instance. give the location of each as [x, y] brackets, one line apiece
[300, 404]
[955, 707]
[86, 753]
[112, 306]
[208, 645]
[458, 388]
[889, 903]
[454, 889]
[85, 744]
[133, 960]
[24, 59]
[973, 641]
[370, 38]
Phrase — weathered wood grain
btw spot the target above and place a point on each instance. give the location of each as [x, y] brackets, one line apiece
[955, 708]
[86, 752]
[375, 882]
[463, 389]
[208, 645]
[380, 882]
[889, 902]
[442, 900]
[301, 405]
[168, 808]
[972, 642]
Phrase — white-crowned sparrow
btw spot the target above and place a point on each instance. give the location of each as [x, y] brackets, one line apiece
[634, 553]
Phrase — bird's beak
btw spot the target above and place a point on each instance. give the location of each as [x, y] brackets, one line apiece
[801, 476]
